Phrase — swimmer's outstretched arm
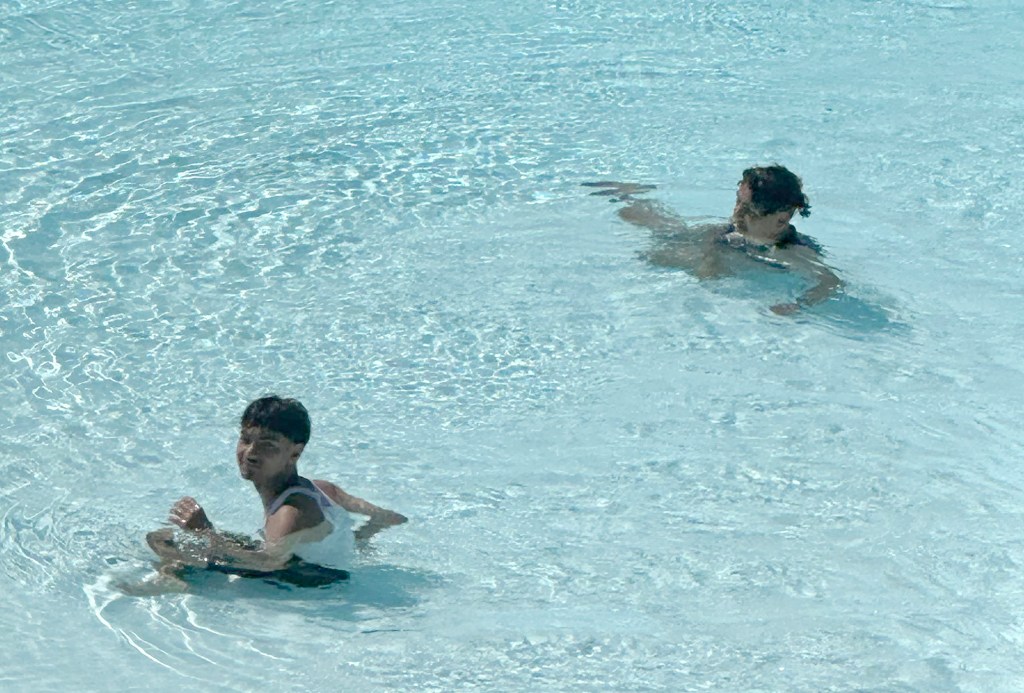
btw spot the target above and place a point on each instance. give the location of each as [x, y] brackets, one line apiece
[380, 518]
[648, 214]
[653, 215]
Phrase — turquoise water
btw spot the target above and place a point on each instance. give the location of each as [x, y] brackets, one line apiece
[617, 478]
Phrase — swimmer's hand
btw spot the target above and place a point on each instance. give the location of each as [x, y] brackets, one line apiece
[188, 514]
[377, 522]
[389, 517]
[785, 308]
[618, 192]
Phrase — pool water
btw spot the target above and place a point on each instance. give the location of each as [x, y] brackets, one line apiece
[617, 477]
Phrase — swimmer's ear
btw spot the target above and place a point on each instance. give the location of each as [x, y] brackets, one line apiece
[299, 447]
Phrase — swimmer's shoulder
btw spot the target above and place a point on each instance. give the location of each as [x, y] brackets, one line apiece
[298, 511]
[724, 233]
[331, 490]
[796, 240]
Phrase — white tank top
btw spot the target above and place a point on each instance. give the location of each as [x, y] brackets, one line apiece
[337, 548]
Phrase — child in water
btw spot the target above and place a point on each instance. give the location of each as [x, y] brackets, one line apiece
[307, 535]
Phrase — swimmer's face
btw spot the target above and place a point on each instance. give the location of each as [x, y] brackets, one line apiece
[759, 224]
[263, 454]
[778, 221]
[768, 227]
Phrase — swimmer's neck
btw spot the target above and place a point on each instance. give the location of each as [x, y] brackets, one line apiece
[270, 489]
[760, 235]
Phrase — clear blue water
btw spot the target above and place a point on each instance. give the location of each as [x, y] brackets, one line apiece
[618, 478]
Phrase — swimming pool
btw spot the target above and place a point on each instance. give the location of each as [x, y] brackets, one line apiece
[618, 478]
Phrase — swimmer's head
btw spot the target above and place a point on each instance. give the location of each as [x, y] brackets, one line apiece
[767, 190]
[285, 416]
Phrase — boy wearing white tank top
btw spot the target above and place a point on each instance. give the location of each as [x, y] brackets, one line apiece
[307, 535]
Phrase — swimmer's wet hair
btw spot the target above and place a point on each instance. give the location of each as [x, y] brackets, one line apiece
[775, 189]
[285, 416]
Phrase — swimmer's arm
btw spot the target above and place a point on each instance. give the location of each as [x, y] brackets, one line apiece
[652, 215]
[828, 284]
[379, 517]
[210, 549]
[808, 261]
[187, 514]
[644, 213]
[207, 546]
[226, 552]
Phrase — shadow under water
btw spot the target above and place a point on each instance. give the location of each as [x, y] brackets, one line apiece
[855, 316]
[378, 586]
[851, 311]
